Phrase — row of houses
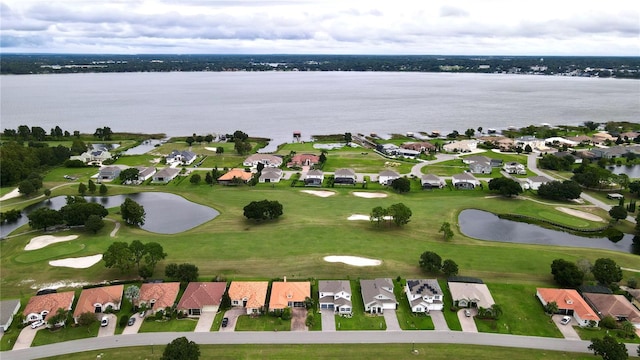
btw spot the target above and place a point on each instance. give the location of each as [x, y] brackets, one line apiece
[164, 175]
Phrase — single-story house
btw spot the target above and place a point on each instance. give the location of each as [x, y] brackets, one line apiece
[611, 153]
[300, 160]
[289, 294]
[201, 297]
[470, 294]
[93, 156]
[335, 295]
[563, 155]
[267, 160]
[464, 181]
[532, 141]
[419, 146]
[178, 157]
[503, 143]
[534, 182]
[97, 300]
[475, 159]
[386, 177]
[235, 175]
[165, 175]
[345, 176]
[270, 175]
[158, 296]
[430, 181]
[408, 153]
[250, 295]
[424, 295]
[480, 167]
[8, 308]
[389, 149]
[377, 295]
[556, 140]
[581, 139]
[40, 306]
[109, 173]
[616, 306]
[461, 146]
[314, 178]
[513, 167]
[635, 297]
[601, 137]
[145, 172]
[569, 303]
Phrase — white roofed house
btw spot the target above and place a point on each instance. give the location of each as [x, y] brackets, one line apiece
[461, 146]
[377, 295]
[270, 175]
[183, 157]
[424, 295]
[430, 181]
[534, 182]
[513, 167]
[386, 177]
[466, 294]
[464, 181]
[335, 295]
[314, 178]
[267, 160]
[145, 173]
[532, 141]
[165, 175]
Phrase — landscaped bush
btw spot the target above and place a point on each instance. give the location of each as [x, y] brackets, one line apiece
[608, 322]
[124, 319]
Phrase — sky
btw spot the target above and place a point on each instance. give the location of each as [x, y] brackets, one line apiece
[389, 27]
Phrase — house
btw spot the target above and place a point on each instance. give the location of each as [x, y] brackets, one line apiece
[267, 160]
[569, 303]
[501, 142]
[461, 146]
[465, 294]
[8, 308]
[386, 177]
[109, 173]
[534, 182]
[610, 153]
[430, 181]
[40, 306]
[389, 149]
[475, 159]
[314, 178]
[345, 176]
[581, 139]
[564, 154]
[178, 157]
[250, 295]
[202, 297]
[377, 295]
[97, 300]
[424, 295]
[158, 296]
[235, 176]
[165, 175]
[270, 175]
[335, 295]
[557, 141]
[289, 294]
[464, 181]
[408, 153]
[93, 156]
[420, 147]
[480, 168]
[145, 172]
[532, 141]
[601, 137]
[635, 297]
[300, 160]
[513, 167]
[616, 306]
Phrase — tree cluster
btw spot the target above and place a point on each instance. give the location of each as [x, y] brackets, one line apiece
[572, 275]
[263, 210]
[184, 272]
[591, 176]
[181, 349]
[432, 263]
[398, 213]
[30, 185]
[76, 212]
[505, 186]
[401, 185]
[557, 163]
[132, 212]
[609, 348]
[124, 257]
[556, 190]
[241, 142]
[103, 133]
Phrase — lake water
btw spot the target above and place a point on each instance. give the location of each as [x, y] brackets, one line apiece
[274, 104]
[632, 172]
[165, 213]
[484, 225]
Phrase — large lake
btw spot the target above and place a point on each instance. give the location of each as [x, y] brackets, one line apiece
[274, 104]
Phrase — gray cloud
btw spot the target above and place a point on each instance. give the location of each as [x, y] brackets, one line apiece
[451, 11]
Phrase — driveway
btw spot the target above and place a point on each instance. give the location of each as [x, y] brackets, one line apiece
[110, 329]
[133, 329]
[232, 315]
[567, 330]
[26, 337]
[391, 319]
[205, 321]
[328, 318]
[438, 320]
[467, 323]
[298, 319]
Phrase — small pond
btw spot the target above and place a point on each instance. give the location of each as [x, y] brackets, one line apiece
[165, 213]
[107, 147]
[632, 171]
[145, 147]
[484, 225]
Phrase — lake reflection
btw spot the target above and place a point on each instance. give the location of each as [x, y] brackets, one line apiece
[484, 225]
[165, 213]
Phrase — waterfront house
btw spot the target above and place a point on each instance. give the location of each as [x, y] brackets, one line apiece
[290, 294]
[201, 297]
[461, 146]
[424, 295]
[569, 303]
[335, 295]
[464, 181]
[250, 295]
[165, 175]
[40, 306]
[300, 160]
[98, 300]
[158, 296]
[377, 295]
[420, 147]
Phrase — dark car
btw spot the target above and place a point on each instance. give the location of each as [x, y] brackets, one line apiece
[132, 321]
[46, 291]
[225, 322]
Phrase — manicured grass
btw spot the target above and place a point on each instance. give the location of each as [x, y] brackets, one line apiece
[262, 323]
[406, 318]
[45, 336]
[363, 161]
[590, 333]
[136, 160]
[451, 317]
[335, 351]
[359, 319]
[217, 321]
[186, 324]
[9, 338]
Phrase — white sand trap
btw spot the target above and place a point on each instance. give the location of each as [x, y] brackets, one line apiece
[321, 193]
[77, 263]
[580, 214]
[39, 242]
[10, 195]
[366, 217]
[369, 195]
[353, 260]
[211, 149]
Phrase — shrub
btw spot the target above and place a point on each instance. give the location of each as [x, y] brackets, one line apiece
[310, 320]
[608, 322]
[124, 319]
[286, 314]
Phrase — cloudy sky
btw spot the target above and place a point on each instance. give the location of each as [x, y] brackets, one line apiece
[464, 27]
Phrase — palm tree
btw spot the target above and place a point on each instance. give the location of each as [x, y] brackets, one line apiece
[551, 308]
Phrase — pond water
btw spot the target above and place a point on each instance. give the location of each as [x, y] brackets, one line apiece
[165, 213]
[145, 147]
[633, 171]
[484, 225]
[107, 147]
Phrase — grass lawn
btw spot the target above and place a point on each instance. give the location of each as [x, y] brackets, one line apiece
[359, 320]
[335, 351]
[217, 321]
[363, 161]
[186, 324]
[406, 318]
[136, 160]
[262, 323]
[590, 333]
[45, 337]
[451, 317]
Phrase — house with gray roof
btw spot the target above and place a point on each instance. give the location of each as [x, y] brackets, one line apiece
[534, 182]
[386, 177]
[109, 173]
[165, 175]
[513, 167]
[431, 181]
[335, 295]
[345, 176]
[267, 160]
[480, 167]
[377, 295]
[424, 295]
[467, 294]
[145, 172]
[464, 181]
[270, 175]
[181, 157]
[314, 178]
[8, 308]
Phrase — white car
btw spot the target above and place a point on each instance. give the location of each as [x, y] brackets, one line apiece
[37, 324]
[565, 320]
[105, 321]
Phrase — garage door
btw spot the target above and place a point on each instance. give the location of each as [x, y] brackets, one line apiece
[210, 308]
[326, 306]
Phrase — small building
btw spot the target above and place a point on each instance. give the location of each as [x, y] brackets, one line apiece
[40, 306]
[335, 295]
[615, 196]
[464, 181]
[424, 295]
[267, 160]
[314, 178]
[109, 173]
[345, 177]
[165, 175]
[235, 176]
[377, 295]
[569, 303]
[290, 294]
[431, 181]
[386, 177]
[97, 300]
[8, 309]
[202, 297]
[158, 296]
[250, 295]
[270, 175]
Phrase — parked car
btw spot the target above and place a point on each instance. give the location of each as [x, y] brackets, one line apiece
[37, 324]
[132, 321]
[105, 321]
[565, 320]
[467, 313]
[46, 291]
[142, 313]
[225, 322]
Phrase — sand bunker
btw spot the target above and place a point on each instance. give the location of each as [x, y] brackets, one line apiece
[77, 263]
[366, 217]
[321, 193]
[211, 149]
[39, 242]
[353, 260]
[10, 195]
[369, 195]
[580, 214]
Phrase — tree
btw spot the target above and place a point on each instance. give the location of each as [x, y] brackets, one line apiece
[132, 212]
[505, 186]
[43, 218]
[181, 349]
[190, 140]
[86, 319]
[132, 293]
[47, 193]
[618, 212]
[606, 271]
[348, 138]
[92, 186]
[430, 262]
[103, 189]
[242, 147]
[609, 348]
[118, 255]
[82, 189]
[446, 231]
[496, 311]
[77, 211]
[263, 210]
[551, 307]
[208, 138]
[153, 254]
[566, 273]
[26, 188]
[378, 214]
[469, 133]
[556, 190]
[195, 179]
[401, 185]
[480, 129]
[183, 272]
[208, 178]
[401, 214]
[628, 329]
[634, 187]
[449, 268]
[138, 251]
[94, 223]
[60, 317]
[528, 149]
[129, 175]
[219, 150]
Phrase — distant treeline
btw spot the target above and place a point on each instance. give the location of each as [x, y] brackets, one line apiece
[620, 67]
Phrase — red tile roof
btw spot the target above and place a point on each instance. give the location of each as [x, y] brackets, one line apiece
[100, 295]
[200, 294]
[284, 292]
[569, 299]
[49, 302]
[164, 294]
[254, 291]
